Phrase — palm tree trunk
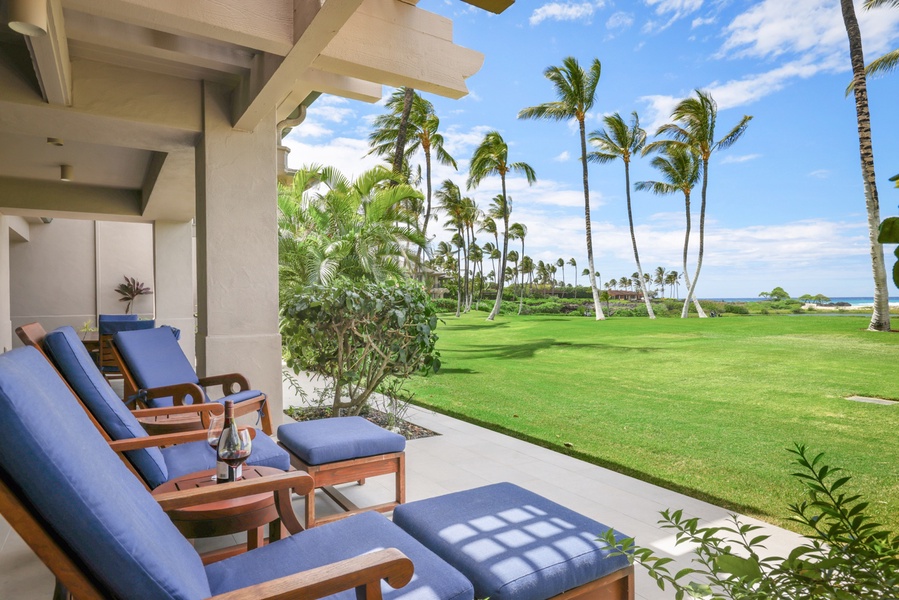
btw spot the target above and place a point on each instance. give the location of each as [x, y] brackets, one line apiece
[401, 132]
[458, 283]
[521, 291]
[501, 276]
[705, 183]
[685, 312]
[597, 307]
[465, 250]
[630, 220]
[424, 227]
[880, 318]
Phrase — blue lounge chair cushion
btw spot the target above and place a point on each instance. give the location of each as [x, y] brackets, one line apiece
[340, 540]
[512, 544]
[191, 457]
[155, 359]
[76, 365]
[76, 483]
[330, 440]
[105, 318]
[113, 327]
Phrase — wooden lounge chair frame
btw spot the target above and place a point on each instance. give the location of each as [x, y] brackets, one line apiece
[74, 579]
[231, 383]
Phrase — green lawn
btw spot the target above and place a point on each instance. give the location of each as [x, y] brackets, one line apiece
[705, 407]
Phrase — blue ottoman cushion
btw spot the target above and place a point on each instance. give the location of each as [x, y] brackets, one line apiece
[191, 457]
[344, 438]
[510, 543]
[340, 540]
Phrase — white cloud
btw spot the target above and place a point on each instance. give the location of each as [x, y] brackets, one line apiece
[565, 11]
[563, 157]
[820, 173]
[658, 111]
[620, 20]
[699, 22]
[732, 159]
[674, 10]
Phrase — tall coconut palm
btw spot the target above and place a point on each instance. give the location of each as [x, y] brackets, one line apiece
[618, 140]
[470, 215]
[889, 61]
[450, 201]
[694, 128]
[658, 278]
[573, 264]
[679, 167]
[491, 157]
[492, 253]
[576, 93]
[527, 269]
[476, 253]
[560, 263]
[517, 231]
[422, 133]
[880, 317]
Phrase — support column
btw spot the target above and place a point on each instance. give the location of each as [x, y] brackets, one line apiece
[237, 249]
[174, 289]
[5, 319]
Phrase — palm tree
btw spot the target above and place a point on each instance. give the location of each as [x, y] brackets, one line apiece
[694, 129]
[679, 167]
[880, 317]
[492, 253]
[576, 93]
[624, 283]
[450, 201]
[573, 264]
[422, 133]
[889, 61]
[476, 253]
[329, 226]
[659, 279]
[527, 268]
[517, 231]
[618, 140]
[492, 158]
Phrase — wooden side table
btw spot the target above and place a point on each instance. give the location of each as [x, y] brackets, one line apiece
[248, 513]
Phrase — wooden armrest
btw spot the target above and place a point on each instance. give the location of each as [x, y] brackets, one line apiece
[364, 571]
[165, 439]
[298, 481]
[227, 381]
[213, 408]
[179, 393]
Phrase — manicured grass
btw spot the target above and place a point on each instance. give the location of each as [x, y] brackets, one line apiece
[705, 407]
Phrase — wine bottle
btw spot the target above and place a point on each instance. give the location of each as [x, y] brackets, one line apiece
[229, 442]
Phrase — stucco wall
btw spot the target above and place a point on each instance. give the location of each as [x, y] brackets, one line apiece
[66, 273]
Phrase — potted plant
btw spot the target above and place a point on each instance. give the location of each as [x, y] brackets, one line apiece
[131, 289]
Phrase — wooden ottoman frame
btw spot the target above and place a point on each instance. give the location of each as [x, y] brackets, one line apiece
[328, 475]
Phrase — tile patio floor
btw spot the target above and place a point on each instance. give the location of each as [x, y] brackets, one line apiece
[465, 456]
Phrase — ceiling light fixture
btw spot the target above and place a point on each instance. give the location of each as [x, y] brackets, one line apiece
[54, 141]
[65, 172]
[28, 17]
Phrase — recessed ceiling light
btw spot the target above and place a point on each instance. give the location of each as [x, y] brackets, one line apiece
[65, 172]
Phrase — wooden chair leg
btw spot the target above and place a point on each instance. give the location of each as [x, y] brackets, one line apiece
[255, 538]
[400, 477]
[267, 420]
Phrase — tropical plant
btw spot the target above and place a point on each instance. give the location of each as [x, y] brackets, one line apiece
[694, 130]
[620, 140]
[846, 555]
[329, 226]
[573, 264]
[889, 61]
[880, 316]
[576, 93]
[358, 333]
[658, 278]
[131, 289]
[491, 157]
[679, 167]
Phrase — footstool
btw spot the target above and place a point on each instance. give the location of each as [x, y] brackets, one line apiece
[515, 545]
[342, 450]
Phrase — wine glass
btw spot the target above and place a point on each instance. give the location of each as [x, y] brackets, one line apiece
[234, 449]
[216, 422]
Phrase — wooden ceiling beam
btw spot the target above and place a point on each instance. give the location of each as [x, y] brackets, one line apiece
[267, 26]
[50, 54]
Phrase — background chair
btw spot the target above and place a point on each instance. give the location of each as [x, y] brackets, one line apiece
[152, 361]
[103, 536]
[109, 325]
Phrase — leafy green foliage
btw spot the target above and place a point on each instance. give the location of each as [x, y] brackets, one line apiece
[889, 234]
[848, 556]
[358, 334]
[131, 289]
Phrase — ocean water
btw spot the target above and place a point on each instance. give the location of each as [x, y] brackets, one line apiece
[853, 300]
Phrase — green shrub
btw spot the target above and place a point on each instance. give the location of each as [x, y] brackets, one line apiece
[736, 309]
[359, 333]
[847, 555]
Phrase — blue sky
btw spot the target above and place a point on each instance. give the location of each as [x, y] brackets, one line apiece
[785, 204]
